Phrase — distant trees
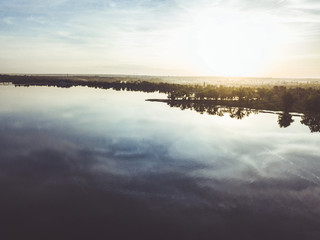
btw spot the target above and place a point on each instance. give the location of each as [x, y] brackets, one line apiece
[287, 100]
[238, 102]
[312, 102]
[279, 98]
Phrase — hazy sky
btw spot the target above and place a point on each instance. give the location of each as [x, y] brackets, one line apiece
[275, 38]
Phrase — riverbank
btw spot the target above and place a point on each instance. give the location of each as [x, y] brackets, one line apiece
[299, 99]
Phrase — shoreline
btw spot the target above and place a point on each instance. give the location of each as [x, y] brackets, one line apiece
[297, 99]
[182, 80]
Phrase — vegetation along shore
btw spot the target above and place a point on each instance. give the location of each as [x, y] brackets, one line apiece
[213, 99]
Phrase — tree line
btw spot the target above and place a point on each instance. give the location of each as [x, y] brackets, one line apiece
[281, 98]
[238, 101]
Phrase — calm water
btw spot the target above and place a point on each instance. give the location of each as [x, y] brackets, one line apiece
[85, 163]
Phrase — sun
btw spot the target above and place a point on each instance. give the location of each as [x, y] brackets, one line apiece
[235, 44]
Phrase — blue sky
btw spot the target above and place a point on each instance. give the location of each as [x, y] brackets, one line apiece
[164, 37]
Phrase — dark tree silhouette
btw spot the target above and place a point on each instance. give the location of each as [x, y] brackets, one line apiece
[285, 119]
[312, 121]
[312, 103]
[287, 100]
[237, 113]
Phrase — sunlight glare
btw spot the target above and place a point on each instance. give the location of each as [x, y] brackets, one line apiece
[234, 44]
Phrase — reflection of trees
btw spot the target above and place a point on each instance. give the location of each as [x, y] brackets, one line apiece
[312, 121]
[278, 98]
[238, 113]
[285, 119]
[234, 112]
[238, 102]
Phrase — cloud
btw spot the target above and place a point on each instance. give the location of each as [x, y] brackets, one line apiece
[8, 20]
[156, 35]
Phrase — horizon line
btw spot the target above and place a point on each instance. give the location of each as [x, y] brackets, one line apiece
[149, 75]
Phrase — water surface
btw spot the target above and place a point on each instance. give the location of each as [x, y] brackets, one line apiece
[85, 163]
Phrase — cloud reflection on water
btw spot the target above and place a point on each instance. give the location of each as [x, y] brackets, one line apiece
[183, 177]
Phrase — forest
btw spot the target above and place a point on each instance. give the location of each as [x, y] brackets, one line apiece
[238, 101]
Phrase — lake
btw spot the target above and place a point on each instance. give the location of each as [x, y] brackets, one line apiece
[85, 163]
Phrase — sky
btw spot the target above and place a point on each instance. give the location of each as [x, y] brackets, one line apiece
[254, 38]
